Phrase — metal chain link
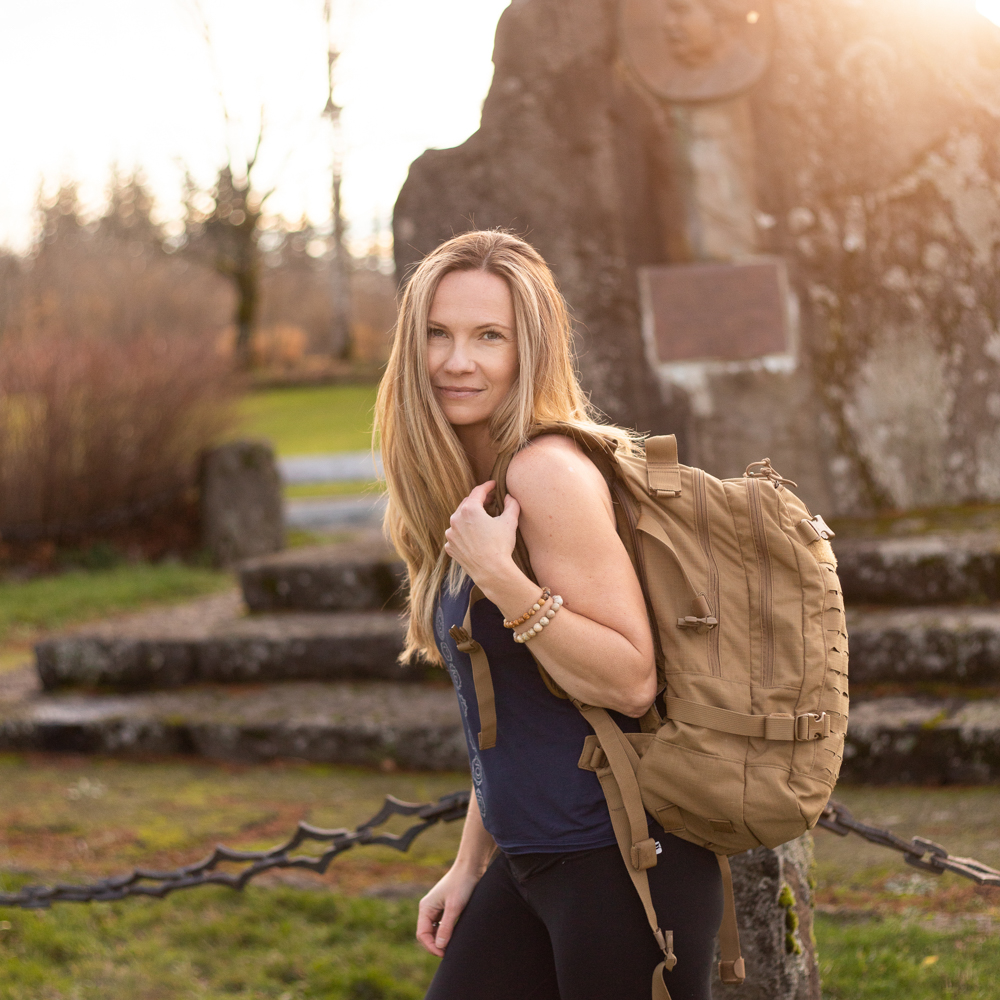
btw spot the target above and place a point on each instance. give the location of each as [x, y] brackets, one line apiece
[144, 882]
[919, 852]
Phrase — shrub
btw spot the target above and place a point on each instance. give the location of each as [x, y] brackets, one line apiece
[111, 382]
[97, 432]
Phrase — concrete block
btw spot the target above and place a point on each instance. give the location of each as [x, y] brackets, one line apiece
[944, 568]
[346, 723]
[346, 577]
[945, 644]
[903, 740]
[241, 501]
[774, 909]
[211, 640]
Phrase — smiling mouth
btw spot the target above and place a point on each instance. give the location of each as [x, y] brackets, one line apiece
[458, 391]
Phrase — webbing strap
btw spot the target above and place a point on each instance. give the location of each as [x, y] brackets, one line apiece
[480, 675]
[623, 761]
[628, 819]
[812, 726]
[660, 991]
[663, 474]
[731, 968]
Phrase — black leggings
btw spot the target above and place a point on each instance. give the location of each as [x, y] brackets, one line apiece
[572, 927]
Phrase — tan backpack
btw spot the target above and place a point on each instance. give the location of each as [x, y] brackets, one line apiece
[744, 743]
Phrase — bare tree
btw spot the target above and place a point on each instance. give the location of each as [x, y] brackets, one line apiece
[227, 237]
[340, 258]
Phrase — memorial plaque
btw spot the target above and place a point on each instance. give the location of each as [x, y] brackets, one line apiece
[696, 50]
[716, 311]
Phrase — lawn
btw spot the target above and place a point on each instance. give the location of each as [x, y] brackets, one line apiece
[348, 934]
[30, 607]
[308, 936]
[311, 420]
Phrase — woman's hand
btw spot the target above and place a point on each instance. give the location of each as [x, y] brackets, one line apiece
[441, 908]
[481, 544]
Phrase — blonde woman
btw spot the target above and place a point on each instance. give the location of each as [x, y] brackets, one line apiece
[482, 351]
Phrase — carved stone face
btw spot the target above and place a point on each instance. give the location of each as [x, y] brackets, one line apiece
[693, 31]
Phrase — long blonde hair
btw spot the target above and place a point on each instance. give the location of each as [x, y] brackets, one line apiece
[427, 471]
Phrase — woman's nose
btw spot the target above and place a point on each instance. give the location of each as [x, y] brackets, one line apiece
[459, 361]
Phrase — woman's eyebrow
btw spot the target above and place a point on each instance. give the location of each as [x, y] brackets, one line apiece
[431, 321]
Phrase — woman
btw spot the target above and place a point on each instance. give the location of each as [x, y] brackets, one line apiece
[481, 353]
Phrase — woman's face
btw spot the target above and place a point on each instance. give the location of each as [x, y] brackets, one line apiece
[471, 346]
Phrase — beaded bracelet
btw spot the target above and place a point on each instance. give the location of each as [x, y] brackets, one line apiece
[529, 633]
[534, 609]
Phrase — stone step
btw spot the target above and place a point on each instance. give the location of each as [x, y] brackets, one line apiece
[953, 645]
[353, 576]
[890, 740]
[211, 640]
[916, 740]
[938, 568]
[366, 723]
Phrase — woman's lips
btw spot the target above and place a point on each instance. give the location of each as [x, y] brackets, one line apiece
[457, 392]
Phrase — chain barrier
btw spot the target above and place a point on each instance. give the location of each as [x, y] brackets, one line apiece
[145, 882]
[918, 852]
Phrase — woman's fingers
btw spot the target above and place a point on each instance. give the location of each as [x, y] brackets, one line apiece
[511, 509]
[481, 493]
[452, 910]
[428, 915]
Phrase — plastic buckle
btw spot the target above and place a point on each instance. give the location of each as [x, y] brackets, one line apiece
[805, 730]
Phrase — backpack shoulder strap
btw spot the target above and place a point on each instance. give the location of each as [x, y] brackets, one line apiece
[616, 770]
[481, 677]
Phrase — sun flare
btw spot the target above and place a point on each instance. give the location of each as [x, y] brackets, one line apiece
[990, 9]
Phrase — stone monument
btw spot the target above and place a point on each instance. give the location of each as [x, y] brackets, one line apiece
[854, 146]
[242, 509]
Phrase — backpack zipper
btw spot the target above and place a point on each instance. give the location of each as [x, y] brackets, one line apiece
[757, 529]
[701, 525]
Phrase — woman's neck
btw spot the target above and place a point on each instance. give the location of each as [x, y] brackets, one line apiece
[482, 452]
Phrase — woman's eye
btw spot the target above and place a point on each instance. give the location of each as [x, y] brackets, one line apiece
[492, 335]
[434, 332]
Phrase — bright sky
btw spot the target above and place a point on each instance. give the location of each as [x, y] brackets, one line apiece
[90, 83]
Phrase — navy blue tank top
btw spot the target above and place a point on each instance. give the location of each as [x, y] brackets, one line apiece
[531, 794]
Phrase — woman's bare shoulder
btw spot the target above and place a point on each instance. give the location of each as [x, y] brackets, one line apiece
[554, 469]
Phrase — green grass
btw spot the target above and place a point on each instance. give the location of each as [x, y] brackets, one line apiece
[354, 487]
[895, 958]
[896, 933]
[91, 817]
[311, 420]
[82, 818]
[213, 944]
[50, 602]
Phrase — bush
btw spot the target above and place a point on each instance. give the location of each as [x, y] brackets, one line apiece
[97, 432]
[111, 377]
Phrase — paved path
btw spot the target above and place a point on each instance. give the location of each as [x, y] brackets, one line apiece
[336, 467]
[335, 514]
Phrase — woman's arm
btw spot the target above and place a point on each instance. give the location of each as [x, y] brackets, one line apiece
[599, 647]
[443, 905]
